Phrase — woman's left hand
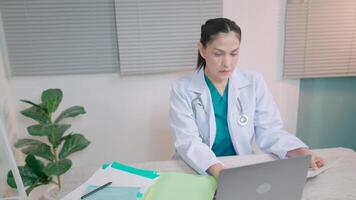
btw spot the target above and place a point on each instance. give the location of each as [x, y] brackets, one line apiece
[315, 161]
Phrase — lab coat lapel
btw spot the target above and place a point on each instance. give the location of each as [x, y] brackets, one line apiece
[237, 82]
[199, 87]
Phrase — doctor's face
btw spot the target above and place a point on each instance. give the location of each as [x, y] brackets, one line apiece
[221, 56]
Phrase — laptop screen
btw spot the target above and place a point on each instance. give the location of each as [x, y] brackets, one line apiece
[275, 180]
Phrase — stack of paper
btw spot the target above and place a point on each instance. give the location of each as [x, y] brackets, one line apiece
[128, 183]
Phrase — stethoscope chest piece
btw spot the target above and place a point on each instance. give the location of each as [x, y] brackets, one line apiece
[243, 120]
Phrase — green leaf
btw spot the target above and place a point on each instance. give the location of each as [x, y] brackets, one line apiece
[31, 103]
[11, 179]
[71, 112]
[39, 129]
[27, 175]
[24, 142]
[73, 143]
[36, 166]
[36, 113]
[29, 189]
[57, 168]
[33, 186]
[56, 133]
[35, 147]
[67, 136]
[48, 129]
[51, 99]
[42, 150]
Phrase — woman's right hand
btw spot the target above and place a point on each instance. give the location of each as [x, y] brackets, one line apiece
[215, 169]
[315, 161]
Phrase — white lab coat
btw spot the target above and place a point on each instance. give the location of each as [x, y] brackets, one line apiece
[193, 125]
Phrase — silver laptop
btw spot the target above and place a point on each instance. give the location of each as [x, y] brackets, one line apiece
[274, 180]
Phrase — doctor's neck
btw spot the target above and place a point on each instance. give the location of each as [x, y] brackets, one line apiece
[220, 84]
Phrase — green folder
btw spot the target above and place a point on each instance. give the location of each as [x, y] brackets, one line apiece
[179, 186]
[141, 172]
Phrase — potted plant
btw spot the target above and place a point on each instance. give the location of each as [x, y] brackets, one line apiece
[47, 157]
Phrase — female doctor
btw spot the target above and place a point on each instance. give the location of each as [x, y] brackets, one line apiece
[219, 109]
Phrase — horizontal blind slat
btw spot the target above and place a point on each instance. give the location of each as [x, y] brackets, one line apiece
[158, 36]
[68, 36]
[319, 38]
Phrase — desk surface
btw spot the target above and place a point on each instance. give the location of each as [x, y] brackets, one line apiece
[338, 182]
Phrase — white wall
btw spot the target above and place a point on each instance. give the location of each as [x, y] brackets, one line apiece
[127, 117]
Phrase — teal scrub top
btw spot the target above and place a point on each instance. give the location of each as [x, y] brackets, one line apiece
[222, 145]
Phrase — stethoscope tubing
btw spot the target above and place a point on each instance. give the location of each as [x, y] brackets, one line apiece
[243, 118]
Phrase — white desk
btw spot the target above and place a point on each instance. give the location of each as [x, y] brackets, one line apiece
[337, 183]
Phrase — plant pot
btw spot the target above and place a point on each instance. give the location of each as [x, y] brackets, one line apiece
[45, 192]
[51, 193]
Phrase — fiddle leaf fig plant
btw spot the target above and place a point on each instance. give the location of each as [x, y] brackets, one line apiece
[47, 158]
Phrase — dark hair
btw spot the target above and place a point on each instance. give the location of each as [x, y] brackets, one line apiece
[211, 29]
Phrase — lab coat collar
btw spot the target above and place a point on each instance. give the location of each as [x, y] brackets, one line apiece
[198, 84]
[238, 79]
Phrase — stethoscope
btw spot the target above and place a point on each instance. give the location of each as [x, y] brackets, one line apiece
[243, 118]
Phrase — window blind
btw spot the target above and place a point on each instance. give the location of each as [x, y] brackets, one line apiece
[49, 37]
[320, 38]
[161, 35]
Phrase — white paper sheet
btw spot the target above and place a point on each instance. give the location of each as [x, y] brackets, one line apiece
[314, 173]
[116, 176]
